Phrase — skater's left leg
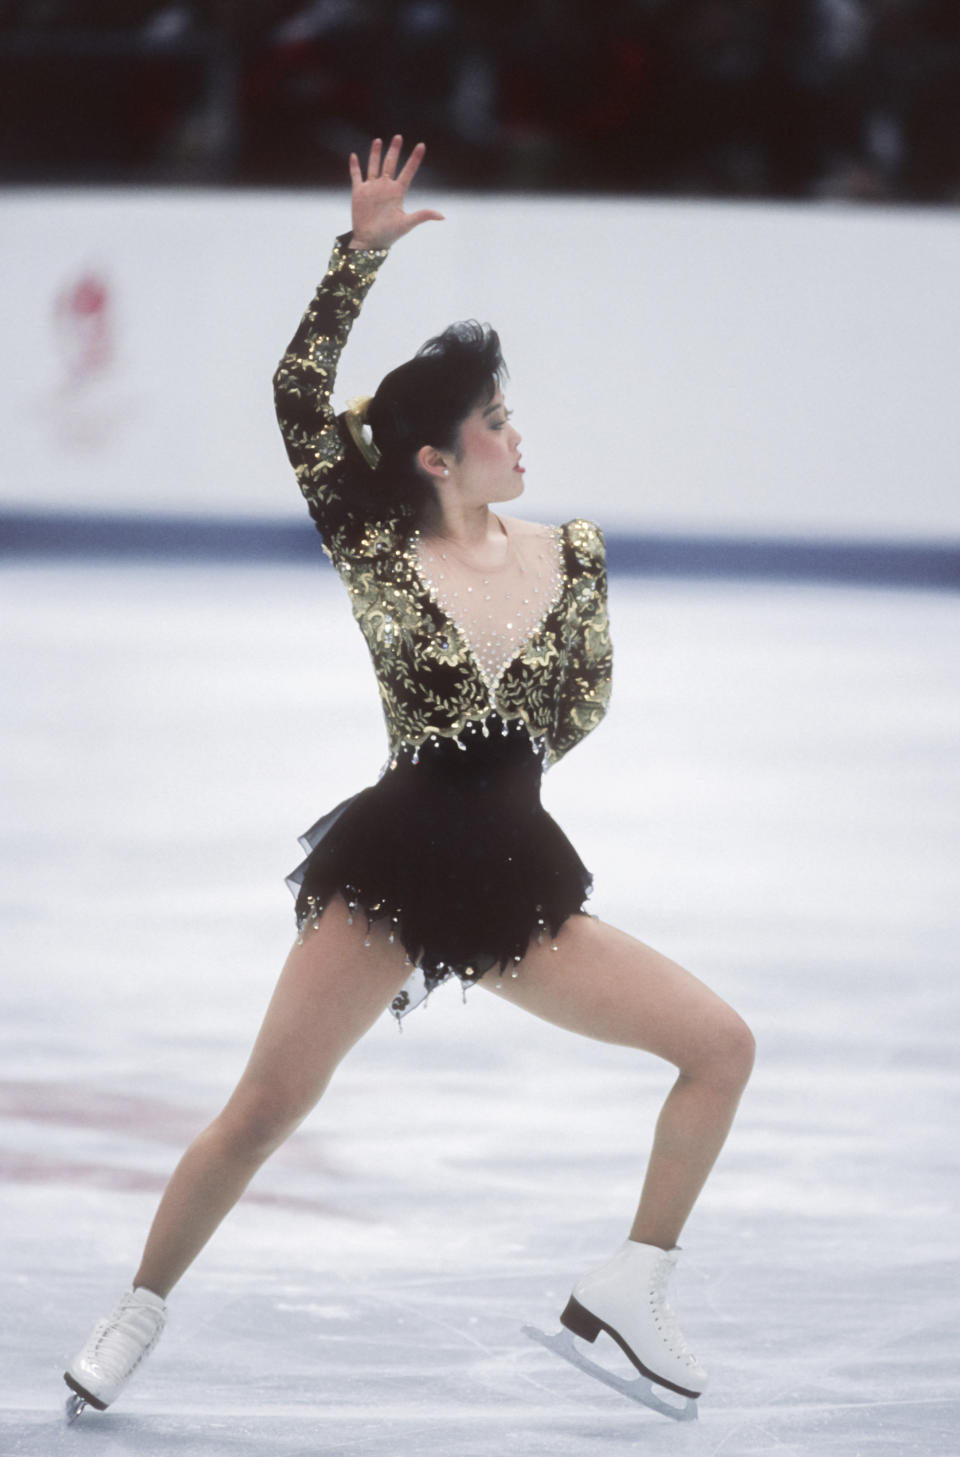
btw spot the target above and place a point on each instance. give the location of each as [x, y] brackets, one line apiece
[607, 985]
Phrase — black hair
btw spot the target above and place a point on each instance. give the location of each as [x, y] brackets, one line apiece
[424, 402]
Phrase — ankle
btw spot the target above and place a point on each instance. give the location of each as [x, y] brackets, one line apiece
[159, 1289]
[653, 1237]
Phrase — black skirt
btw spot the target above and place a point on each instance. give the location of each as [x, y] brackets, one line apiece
[454, 850]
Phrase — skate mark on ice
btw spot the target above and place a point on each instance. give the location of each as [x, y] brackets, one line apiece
[498, 1360]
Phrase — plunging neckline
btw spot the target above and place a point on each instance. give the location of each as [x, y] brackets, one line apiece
[490, 680]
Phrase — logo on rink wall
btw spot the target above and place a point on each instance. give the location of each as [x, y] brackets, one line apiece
[88, 406]
[81, 315]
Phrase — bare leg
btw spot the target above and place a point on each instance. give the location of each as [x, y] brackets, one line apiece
[331, 990]
[604, 984]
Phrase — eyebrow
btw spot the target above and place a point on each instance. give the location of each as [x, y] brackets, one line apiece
[497, 405]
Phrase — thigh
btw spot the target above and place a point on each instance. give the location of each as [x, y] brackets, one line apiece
[607, 985]
[331, 990]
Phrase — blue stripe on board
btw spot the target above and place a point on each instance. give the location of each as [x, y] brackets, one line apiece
[185, 538]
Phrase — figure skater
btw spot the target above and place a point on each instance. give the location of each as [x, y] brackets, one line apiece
[491, 649]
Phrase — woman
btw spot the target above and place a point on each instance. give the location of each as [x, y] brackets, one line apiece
[490, 645]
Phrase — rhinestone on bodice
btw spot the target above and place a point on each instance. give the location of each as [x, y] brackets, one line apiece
[496, 611]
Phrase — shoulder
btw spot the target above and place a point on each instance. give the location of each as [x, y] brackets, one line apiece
[587, 542]
[585, 534]
[583, 538]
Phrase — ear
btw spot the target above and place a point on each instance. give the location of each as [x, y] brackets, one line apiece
[432, 463]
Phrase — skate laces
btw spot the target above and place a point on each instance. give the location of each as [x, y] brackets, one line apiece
[664, 1314]
[121, 1340]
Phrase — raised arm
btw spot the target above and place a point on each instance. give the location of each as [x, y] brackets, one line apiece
[304, 379]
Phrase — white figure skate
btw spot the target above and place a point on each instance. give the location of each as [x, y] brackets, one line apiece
[626, 1298]
[114, 1349]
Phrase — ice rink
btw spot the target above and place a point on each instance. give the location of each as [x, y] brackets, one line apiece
[774, 801]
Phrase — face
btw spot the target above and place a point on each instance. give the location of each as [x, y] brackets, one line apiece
[487, 467]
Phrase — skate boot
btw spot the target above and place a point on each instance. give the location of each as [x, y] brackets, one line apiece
[626, 1297]
[113, 1351]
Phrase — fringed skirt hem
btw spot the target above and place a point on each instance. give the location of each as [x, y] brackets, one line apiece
[455, 854]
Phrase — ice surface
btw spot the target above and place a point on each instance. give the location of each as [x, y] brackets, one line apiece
[774, 801]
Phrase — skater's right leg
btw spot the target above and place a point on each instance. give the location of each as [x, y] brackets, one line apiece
[331, 990]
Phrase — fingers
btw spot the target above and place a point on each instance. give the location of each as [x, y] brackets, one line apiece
[413, 163]
[379, 165]
[391, 159]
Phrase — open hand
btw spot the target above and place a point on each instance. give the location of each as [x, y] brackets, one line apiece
[378, 215]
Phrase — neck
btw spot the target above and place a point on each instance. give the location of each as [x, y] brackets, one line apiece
[467, 527]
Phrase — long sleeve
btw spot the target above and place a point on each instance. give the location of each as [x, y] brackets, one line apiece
[588, 655]
[303, 386]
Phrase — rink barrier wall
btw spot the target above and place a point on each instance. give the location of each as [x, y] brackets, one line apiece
[26, 535]
[679, 368]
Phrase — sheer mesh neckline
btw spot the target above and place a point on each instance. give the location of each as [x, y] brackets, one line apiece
[496, 611]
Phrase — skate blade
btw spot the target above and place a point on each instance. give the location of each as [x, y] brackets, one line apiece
[74, 1407]
[639, 1388]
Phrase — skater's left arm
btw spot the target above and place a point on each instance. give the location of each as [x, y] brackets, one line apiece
[587, 676]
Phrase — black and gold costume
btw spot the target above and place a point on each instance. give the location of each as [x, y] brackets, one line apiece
[452, 846]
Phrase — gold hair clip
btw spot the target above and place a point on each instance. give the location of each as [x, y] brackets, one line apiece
[360, 433]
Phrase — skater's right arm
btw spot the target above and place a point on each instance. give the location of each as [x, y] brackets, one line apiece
[304, 380]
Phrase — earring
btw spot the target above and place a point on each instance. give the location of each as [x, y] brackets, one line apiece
[445, 471]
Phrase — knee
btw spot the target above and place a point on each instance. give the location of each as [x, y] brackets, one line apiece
[727, 1053]
[253, 1125]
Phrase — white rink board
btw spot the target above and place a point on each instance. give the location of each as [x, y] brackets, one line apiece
[774, 801]
[676, 366]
